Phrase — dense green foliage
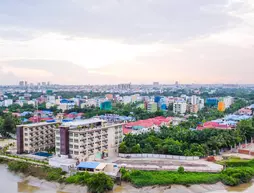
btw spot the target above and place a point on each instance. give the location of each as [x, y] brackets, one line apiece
[231, 176]
[236, 176]
[8, 124]
[181, 141]
[48, 173]
[237, 163]
[96, 183]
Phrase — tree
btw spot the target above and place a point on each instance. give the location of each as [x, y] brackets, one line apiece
[100, 183]
[123, 148]
[136, 149]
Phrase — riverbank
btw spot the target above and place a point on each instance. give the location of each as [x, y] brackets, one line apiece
[17, 182]
[125, 187]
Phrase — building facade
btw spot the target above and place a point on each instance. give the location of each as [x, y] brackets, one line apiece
[179, 107]
[152, 107]
[35, 137]
[90, 137]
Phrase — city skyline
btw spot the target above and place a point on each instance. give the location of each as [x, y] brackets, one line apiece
[118, 41]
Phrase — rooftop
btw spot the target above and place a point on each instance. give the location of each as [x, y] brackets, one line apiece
[36, 124]
[77, 123]
[88, 165]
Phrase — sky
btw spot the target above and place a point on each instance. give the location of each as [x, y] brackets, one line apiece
[120, 41]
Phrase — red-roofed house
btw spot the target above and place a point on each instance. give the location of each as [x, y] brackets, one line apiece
[214, 125]
[146, 125]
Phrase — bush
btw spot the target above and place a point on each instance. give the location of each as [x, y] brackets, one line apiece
[99, 183]
[180, 170]
[18, 166]
[229, 180]
[236, 176]
[81, 178]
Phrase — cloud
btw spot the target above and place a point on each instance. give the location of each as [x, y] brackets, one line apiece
[96, 42]
[132, 21]
[60, 72]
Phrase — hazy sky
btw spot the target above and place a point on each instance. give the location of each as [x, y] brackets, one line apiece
[138, 41]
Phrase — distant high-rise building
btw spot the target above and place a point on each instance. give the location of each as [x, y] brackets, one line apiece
[48, 83]
[21, 83]
[156, 83]
[124, 86]
[26, 84]
[43, 83]
[176, 83]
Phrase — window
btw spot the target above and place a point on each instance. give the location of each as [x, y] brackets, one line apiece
[76, 146]
[76, 152]
[26, 139]
[26, 134]
[58, 138]
[26, 144]
[75, 140]
[57, 149]
[76, 135]
[57, 144]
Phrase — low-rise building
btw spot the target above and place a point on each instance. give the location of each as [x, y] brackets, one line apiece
[35, 137]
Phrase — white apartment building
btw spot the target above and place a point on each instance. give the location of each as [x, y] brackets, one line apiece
[88, 138]
[180, 107]
[66, 104]
[127, 99]
[201, 103]
[194, 99]
[51, 99]
[228, 101]
[7, 102]
[32, 102]
[35, 137]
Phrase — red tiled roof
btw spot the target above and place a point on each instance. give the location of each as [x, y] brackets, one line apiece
[147, 123]
[213, 125]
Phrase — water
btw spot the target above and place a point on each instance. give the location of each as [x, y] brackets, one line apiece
[13, 183]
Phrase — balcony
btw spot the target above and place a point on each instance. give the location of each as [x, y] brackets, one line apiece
[104, 133]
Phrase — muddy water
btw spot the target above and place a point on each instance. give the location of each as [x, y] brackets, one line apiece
[13, 183]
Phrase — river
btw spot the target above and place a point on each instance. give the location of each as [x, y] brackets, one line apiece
[13, 183]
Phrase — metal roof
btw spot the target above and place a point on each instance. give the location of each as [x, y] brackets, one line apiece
[88, 165]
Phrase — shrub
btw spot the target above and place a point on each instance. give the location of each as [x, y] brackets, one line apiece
[229, 180]
[99, 183]
[180, 170]
[236, 176]
[18, 166]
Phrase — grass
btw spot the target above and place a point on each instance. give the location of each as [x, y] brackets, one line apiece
[149, 178]
[26, 159]
[237, 172]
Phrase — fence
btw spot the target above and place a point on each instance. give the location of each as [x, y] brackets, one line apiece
[160, 156]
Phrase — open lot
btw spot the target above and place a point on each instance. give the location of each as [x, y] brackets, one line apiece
[171, 165]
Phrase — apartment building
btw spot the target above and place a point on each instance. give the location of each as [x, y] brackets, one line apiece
[91, 137]
[192, 108]
[152, 107]
[35, 137]
[179, 107]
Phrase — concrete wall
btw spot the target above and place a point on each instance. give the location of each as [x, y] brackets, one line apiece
[161, 156]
